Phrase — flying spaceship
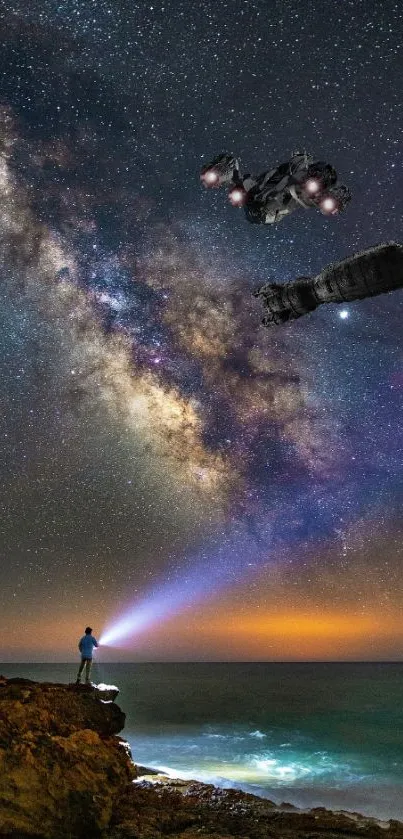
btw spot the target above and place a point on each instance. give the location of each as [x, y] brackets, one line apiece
[374, 271]
[269, 197]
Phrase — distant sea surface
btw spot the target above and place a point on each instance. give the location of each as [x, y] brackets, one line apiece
[311, 734]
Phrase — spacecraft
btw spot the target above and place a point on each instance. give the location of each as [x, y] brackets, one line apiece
[269, 197]
[373, 271]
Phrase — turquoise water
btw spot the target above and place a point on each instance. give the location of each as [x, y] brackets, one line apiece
[311, 734]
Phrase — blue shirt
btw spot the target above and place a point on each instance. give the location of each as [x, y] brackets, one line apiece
[86, 645]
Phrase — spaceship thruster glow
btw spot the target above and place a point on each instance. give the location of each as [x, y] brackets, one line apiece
[328, 204]
[312, 185]
[271, 196]
[210, 177]
[237, 197]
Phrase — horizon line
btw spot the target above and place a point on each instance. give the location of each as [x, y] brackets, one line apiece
[219, 661]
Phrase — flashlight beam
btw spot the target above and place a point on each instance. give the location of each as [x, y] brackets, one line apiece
[202, 576]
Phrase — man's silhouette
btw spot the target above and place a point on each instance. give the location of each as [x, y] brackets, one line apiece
[86, 645]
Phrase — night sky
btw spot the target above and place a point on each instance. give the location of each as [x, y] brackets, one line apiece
[241, 487]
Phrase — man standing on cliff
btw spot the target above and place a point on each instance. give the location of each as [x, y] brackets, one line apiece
[86, 645]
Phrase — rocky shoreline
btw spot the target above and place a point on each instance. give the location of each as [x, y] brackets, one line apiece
[64, 774]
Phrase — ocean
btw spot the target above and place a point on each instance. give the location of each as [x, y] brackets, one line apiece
[311, 734]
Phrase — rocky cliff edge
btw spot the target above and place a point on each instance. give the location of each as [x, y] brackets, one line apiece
[64, 774]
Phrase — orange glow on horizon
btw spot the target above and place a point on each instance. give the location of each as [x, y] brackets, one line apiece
[295, 635]
[219, 632]
[299, 625]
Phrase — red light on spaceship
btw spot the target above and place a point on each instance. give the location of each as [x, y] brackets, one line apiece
[209, 178]
[329, 205]
[312, 185]
[237, 196]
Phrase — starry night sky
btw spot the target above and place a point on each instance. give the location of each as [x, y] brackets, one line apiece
[157, 443]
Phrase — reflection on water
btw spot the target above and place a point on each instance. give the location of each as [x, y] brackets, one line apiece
[314, 734]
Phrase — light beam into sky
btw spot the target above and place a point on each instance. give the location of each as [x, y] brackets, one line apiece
[190, 585]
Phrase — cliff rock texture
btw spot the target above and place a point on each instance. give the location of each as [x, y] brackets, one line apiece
[60, 764]
[65, 775]
[189, 810]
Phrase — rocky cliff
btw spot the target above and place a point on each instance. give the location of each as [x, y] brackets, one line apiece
[64, 775]
[61, 766]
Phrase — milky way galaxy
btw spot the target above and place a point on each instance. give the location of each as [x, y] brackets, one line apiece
[158, 444]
